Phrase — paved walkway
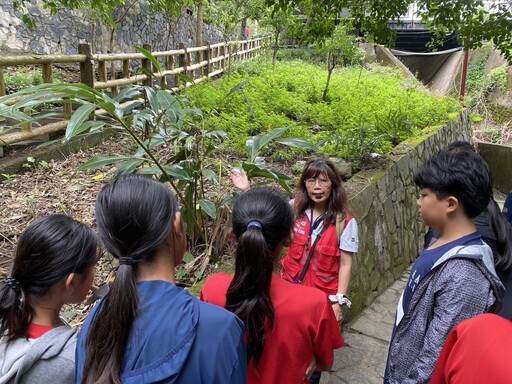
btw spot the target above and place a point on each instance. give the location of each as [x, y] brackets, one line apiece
[363, 358]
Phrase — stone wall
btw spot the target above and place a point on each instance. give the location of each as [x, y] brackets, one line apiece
[384, 204]
[499, 158]
[61, 34]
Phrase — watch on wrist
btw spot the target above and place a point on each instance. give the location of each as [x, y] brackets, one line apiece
[340, 299]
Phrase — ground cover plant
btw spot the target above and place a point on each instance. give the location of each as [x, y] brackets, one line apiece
[369, 109]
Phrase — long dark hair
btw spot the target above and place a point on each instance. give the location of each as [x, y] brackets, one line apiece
[501, 229]
[262, 219]
[135, 216]
[48, 250]
[338, 202]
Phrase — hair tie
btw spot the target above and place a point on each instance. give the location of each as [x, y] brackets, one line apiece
[126, 261]
[254, 223]
[13, 284]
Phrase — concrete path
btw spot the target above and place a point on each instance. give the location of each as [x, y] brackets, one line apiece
[363, 358]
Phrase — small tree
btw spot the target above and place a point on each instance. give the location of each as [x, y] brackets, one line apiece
[342, 49]
[277, 22]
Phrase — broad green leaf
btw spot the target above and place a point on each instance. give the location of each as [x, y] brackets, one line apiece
[167, 100]
[209, 208]
[150, 57]
[100, 161]
[92, 125]
[210, 175]
[78, 117]
[217, 134]
[181, 273]
[109, 107]
[185, 78]
[173, 171]
[129, 166]
[298, 143]
[237, 88]
[128, 93]
[152, 99]
[272, 135]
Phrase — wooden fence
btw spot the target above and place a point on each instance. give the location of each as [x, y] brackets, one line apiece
[199, 63]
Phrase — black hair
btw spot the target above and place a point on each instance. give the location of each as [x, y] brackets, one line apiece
[502, 233]
[338, 200]
[499, 237]
[48, 250]
[461, 146]
[462, 174]
[262, 218]
[134, 215]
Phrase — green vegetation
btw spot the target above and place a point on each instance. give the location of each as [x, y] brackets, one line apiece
[25, 77]
[367, 109]
[259, 111]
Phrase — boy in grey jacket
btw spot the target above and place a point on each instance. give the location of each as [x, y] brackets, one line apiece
[453, 279]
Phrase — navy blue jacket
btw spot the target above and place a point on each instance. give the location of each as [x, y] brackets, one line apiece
[177, 339]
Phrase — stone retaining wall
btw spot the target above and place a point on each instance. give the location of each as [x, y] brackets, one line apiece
[61, 34]
[384, 204]
[499, 158]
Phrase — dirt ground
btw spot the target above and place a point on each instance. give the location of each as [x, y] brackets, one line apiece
[55, 187]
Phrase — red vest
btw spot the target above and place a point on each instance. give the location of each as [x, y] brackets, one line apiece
[323, 270]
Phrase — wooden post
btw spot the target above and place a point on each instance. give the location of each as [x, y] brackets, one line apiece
[147, 64]
[102, 70]
[26, 127]
[221, 51]
[126, 68]
[199, 58]
[171, 66]
[183, 57]
[87, 67]
[47, 73]
[2, 81]
[67, 109]
[209, 66]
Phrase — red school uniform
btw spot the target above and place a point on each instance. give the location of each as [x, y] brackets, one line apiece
[305, 324]
[478, 350]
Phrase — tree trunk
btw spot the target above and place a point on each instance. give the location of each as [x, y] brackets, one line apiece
[242, 28]
[330, 68]
[276, 47]
[93, 35]
[199, 24]
[111, 49]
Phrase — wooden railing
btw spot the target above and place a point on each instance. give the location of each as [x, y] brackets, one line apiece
[198, 63]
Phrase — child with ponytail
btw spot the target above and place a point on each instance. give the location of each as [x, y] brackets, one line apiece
[147, 329]
[284, 322]
[53, 265]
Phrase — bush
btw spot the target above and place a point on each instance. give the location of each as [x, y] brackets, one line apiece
[24, 77]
